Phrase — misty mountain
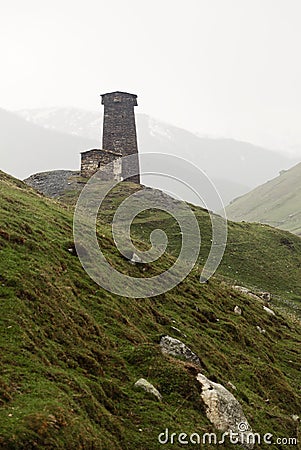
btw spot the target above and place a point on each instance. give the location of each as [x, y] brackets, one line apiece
[26, 148]
[234, 166]
[49, 139]
[277, 202]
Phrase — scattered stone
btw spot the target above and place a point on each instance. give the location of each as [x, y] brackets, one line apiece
[135, 259]
[256, 297]
[174, 347]
[224, 411]
[242, 289]
[204, 280]
[259, 295]
[148, 387]
[132, 257]
[237, 310]
[176, 330]
[295, 417]
[269, 311]
[232, 386]
[265, 296]
[261, 330]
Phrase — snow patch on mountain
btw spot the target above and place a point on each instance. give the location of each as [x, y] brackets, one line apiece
[157, 129]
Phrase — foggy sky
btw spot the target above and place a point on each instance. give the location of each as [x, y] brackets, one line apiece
[219, 67]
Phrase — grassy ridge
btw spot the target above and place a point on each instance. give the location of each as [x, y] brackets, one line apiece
[257, 255]
[71, 352]
[277, 202]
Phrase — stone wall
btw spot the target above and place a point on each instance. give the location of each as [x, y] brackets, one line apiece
[97, 159]
[119, 128]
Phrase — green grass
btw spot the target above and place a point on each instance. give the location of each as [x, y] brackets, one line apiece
[71, 352]
[257, 255]
[277, 202]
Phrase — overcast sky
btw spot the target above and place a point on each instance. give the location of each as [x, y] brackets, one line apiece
[219, 67]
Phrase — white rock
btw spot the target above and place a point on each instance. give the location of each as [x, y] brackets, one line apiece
[148, 387]
[295, 417]
[135, 259]
[176, 330]
[231, 385]
[224, 411]
[261, 330]
[258, 296]
[251, 294]
[237, 310]
[269, 311]
[242, 289]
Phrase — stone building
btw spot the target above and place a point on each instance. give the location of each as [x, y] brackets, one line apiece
[119, 136]
[96, 159]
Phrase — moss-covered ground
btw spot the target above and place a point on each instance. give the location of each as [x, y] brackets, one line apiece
[71, 351]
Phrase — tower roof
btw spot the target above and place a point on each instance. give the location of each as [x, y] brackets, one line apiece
[119, 97]
[119, 93]
[101, 150]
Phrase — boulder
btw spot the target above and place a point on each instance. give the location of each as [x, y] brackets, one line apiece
[148, 387]
[237, 310]
[174, 347]
[269, 311]
[265, 296]
[242, 289]
[224, 411]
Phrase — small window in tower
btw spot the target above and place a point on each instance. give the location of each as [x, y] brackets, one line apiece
[98, 165]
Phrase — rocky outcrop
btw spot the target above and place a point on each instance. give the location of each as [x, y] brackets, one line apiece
[55, 182]
[148, 387]
[262, 295]
[224, 411]
[174, 347]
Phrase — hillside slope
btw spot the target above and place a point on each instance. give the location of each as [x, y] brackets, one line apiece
[277, 202]
[71, 352]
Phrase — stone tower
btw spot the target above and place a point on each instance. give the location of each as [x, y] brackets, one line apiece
[119, 127]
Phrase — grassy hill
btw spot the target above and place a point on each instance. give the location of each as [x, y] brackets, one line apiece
[277, 202]
[71, 352]
[257, 255]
